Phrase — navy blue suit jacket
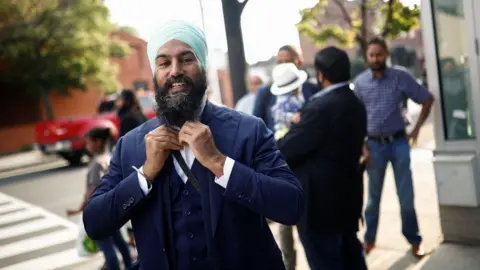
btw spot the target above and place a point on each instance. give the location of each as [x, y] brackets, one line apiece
[261, 186]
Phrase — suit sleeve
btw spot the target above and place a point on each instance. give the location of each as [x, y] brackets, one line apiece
[269, 187]
[305, 136]
[114, 200]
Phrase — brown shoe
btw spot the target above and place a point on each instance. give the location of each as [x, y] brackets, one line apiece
[418, 251]
[368, 247]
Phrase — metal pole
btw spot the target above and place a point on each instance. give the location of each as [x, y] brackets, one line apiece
[212, 70]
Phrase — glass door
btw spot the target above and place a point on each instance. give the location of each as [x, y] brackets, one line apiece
[454, 37]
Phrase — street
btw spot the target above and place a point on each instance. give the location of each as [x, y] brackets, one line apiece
[54, 190]
[36, 234]
[55, 187]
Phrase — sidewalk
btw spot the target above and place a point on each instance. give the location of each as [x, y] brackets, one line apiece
[25, 159]
[392, 251]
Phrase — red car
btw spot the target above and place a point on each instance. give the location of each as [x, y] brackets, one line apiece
[65, 137]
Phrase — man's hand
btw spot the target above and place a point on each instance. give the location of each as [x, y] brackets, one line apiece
[71, 212]
[200, 139]
[366, 157]
[413, 137]
[296, 118]
[158, 143]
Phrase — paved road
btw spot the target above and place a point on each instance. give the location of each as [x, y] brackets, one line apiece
[53, 190]
[34, 233]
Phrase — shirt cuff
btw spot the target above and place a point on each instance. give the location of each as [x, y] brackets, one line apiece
[227, 171]
[142, 181]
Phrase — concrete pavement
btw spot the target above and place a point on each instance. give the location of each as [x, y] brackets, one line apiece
[18, 161]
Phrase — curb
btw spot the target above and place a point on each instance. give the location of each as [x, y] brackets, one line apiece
[29, 165]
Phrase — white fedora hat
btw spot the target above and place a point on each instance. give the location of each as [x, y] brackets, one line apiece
[286, 78]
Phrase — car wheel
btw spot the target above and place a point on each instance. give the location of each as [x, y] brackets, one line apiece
[74, 159]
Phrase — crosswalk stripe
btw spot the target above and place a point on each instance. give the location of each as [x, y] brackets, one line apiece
[27, 227]
[38, 242]
[54, 261]
[10, 207]
[33, 238]
[18, 216]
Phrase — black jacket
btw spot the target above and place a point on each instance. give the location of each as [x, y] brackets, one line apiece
[324, 151]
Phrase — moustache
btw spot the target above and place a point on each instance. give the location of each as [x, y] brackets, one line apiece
[179, 80]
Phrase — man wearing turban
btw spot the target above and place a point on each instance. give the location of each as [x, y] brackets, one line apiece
[199, 180]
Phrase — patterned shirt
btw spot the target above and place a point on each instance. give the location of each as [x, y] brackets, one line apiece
[384, 97]
[283, 111]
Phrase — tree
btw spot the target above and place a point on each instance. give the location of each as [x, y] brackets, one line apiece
[361, 19]
[127, 29]
[53, 46]
[232, 14]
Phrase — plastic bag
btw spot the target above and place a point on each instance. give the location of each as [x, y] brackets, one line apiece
[85, 245]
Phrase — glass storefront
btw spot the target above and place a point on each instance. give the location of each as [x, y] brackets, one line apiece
[451, 39]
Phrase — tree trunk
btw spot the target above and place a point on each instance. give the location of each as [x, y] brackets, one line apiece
[364, 32]
[47, 105]
[232, 12]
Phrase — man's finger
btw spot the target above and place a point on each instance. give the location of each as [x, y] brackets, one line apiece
[184, 138]
[167, 145]
[168, 139]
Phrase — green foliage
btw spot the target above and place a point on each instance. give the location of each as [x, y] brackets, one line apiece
[127, 29]
[390, 20]
[57, 45]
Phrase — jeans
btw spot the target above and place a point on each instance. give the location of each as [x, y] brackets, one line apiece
[108, 248]
[398, 153]
[287, 246]
[333, 251]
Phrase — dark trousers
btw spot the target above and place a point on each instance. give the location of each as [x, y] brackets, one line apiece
[108, 248]
[325, 251]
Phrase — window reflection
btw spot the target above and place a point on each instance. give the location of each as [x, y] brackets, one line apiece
[454, 70]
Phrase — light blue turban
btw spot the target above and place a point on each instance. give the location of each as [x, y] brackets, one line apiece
[182, 31]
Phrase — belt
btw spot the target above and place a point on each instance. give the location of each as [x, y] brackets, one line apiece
[388, 138]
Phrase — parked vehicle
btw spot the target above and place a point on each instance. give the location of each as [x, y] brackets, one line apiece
[65, 137]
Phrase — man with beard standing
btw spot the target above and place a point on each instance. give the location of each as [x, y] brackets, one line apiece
[199, 180]
[383, 91]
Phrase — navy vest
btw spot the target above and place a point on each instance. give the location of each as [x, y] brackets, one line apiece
[189, 237]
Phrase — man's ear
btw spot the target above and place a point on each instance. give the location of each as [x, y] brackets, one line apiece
[299, 62]
[319, 76]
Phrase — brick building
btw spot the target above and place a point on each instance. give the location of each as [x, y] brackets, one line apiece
[17, 130]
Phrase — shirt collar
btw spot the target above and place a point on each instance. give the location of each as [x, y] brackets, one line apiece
[329, 88]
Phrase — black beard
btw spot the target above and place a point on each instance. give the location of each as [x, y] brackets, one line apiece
[378, 66]
[179, 107]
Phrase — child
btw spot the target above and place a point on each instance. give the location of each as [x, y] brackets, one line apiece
[96, 143]
[287, 83]
[285, 112]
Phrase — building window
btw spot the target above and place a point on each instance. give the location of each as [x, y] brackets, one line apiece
[451, 40]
